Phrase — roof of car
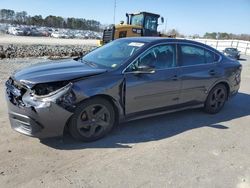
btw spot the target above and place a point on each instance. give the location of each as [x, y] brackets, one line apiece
[143, 39]
[161, 39]
[156, 40]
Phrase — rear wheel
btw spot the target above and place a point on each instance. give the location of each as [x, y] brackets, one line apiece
[216, 99]
[92, 120]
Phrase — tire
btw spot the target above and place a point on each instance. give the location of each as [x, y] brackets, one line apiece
[216, 99]
[92, 120]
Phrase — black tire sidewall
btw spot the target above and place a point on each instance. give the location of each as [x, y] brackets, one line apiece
[207, 106]
[73, 122]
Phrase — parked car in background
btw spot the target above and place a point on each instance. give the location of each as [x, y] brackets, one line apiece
[58, 34]
[3, 28]
[15, 31]
[40, 32]
[232, 52]
[126, 79]
[25, 30]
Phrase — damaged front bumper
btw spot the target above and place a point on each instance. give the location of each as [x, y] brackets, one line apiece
[38, 117]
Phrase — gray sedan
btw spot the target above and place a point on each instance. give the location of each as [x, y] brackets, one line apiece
[126, 79]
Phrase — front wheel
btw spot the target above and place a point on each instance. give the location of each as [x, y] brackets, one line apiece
[92, 120]
[216, 99]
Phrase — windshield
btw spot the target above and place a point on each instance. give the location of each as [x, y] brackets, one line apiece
[113, 54]
[137, 20]
[232, 49]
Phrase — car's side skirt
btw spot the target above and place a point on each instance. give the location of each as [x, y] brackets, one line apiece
[160, 111]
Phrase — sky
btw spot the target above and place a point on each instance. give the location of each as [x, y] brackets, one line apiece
[187, 16]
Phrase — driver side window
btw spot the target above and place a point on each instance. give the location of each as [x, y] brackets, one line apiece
[159, 57]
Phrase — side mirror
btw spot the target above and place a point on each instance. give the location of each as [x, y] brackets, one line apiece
[79, 57]
[144, 69]
[162, 20]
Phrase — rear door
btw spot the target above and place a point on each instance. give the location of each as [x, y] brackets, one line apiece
[199, 70]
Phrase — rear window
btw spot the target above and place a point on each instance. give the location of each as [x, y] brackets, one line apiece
[194, 55]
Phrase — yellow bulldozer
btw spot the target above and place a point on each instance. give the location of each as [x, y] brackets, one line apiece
[138, 24]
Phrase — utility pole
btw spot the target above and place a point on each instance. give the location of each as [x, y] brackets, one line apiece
[166, 25]
[114, 10]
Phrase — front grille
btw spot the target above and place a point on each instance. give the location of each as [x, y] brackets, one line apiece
[108, 34]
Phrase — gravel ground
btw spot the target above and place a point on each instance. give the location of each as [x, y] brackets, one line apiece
[7, 66]
[20, 47]
[183, 149]
[51, 51]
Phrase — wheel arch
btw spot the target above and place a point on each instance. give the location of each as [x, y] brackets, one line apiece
[113, 102]
[117, 108]
[223, 82]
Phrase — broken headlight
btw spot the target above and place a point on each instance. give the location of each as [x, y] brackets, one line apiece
[44, 94]
[47, 88]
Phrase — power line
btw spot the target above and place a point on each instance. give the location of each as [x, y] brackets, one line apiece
[114, 11]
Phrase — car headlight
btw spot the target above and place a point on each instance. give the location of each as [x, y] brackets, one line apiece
[30, 98]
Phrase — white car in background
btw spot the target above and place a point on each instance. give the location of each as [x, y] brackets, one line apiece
[15, 31]
[57, 34]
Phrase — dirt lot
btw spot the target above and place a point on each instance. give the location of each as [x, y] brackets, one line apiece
[183, 149]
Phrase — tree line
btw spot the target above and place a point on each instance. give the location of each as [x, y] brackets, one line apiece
[224, 35]
[22, 18]
[212, 35]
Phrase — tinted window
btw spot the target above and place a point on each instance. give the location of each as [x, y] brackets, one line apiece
[159, 57]
[193, 55]
[211, 57]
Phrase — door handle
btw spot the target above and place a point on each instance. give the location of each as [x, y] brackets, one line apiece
[212, 72]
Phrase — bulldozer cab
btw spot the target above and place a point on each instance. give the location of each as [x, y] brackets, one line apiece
[138, 25]
[147, 21]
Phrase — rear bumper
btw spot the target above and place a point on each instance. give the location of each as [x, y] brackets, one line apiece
[234, 89]
[41, 121]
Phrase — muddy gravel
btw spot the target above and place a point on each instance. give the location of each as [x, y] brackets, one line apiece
[183, 149]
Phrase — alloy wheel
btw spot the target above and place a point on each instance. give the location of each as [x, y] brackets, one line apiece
[218, 98]
[93, 120]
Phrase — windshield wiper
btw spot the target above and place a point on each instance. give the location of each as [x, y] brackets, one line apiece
[89, 63]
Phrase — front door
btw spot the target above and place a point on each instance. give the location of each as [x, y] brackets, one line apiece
[157, 89]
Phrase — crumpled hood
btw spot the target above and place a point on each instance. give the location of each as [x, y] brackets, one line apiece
[55, 71]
